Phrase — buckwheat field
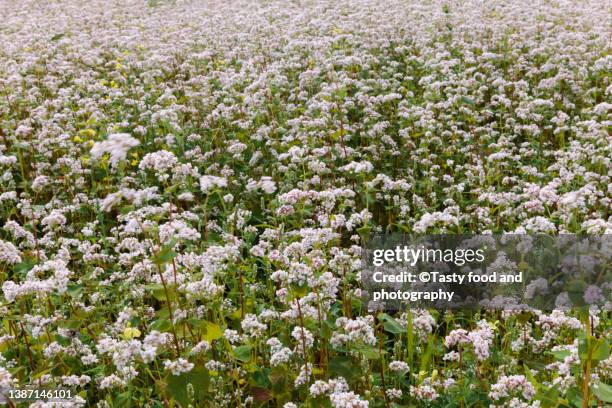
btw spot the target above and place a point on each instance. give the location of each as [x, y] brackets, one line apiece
[186, 188]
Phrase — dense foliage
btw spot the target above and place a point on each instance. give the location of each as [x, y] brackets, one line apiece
[185, 188]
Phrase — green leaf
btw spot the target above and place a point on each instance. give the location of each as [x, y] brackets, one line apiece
[574, 395]
[165, 254]
[602, 391]
[336, 135]
[560, 355]
[575, 291]
[213, 331]
[583, 347]
[427, 355]
[126, 209]
[467, 101]
[261, 379]
[410, 336]
[369, 352]
[392, 326]
[162, 325]
[74, 324]
[176, 387]
[122, 400]
[243, 353]
[524, 317]
[593, 348]
[600, 349]
[22, 268]
[548, 397]
[327, 329]
[300, 291]
[278, 379]
[37, 375]
[530, 376]
[158, 292]
[343, 366]
[58, 36]
[74, 290]
[364, 232]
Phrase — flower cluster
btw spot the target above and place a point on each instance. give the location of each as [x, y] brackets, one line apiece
[186, 187]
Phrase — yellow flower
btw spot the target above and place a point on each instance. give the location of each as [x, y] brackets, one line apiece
[130, 333]
[77, 139]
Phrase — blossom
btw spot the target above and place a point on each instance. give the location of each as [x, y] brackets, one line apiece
[207, 183]
[347, 400]
[255, 152]
[303, 338]
[160, 161]
[117, 145]
[8, 253]
[358, 167]
[511, 385]
[251, 325]
[399, 366]
[179, 366]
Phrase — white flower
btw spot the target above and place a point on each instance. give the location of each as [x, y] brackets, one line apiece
[358, 167]
[399, 366]
[347, 400]
[8, 253]
[117, 145]
[208, 183]
[251, 325]
[179, 366]
[303, 337]
[160, 161]
[265, 183]
[512, 385]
